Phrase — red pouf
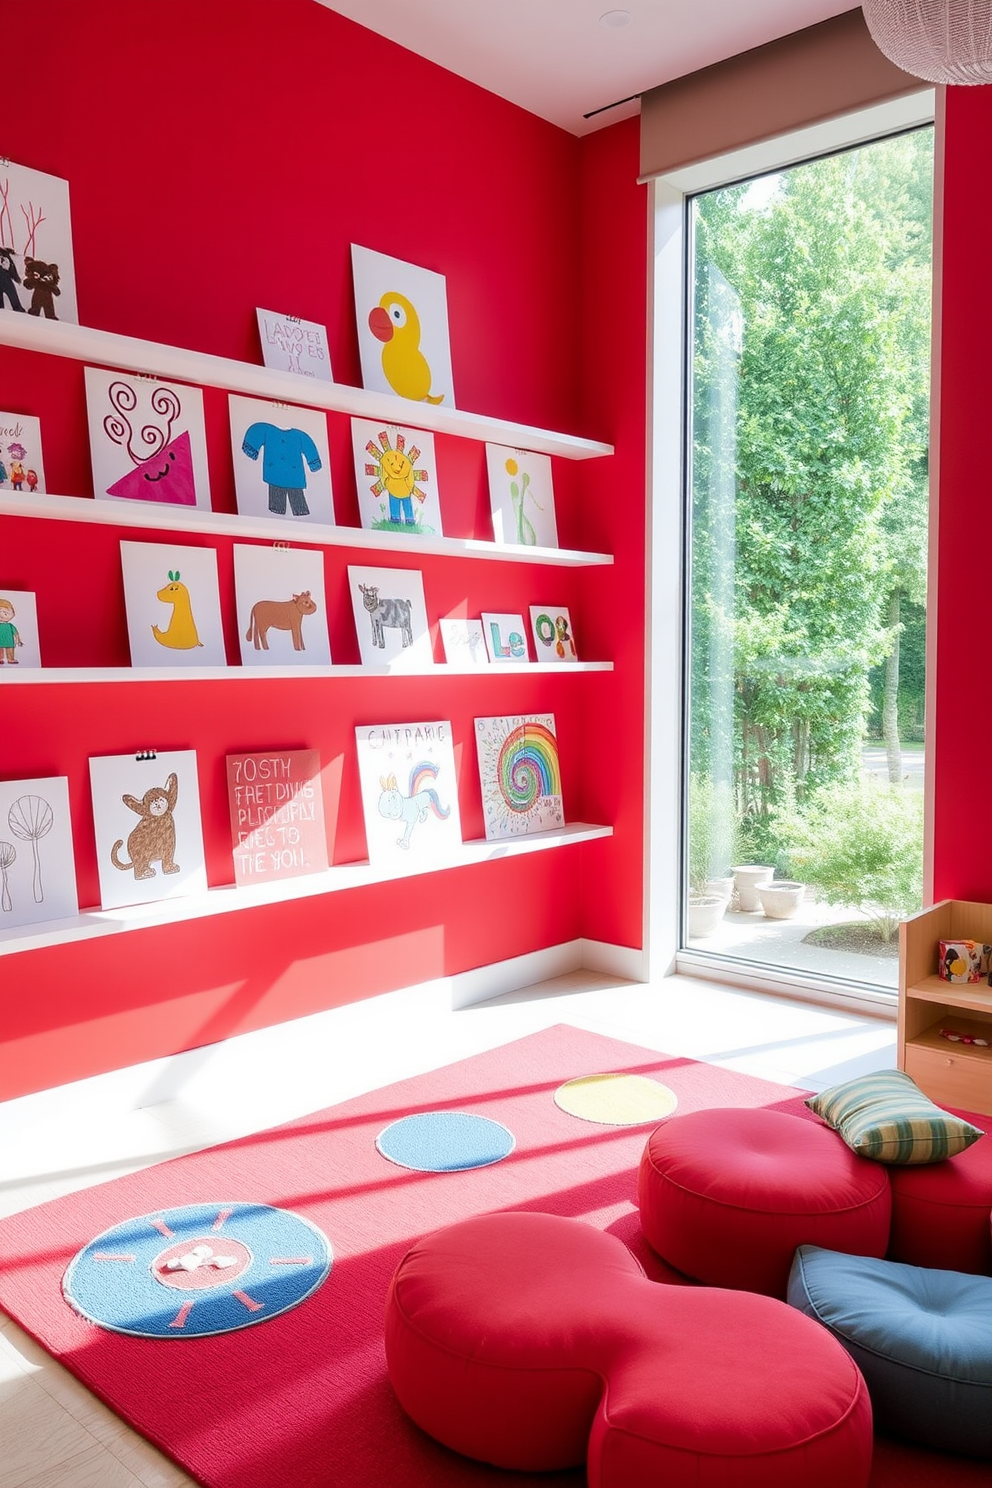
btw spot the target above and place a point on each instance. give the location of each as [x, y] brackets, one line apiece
[727, 1195]
[532, 1342]
[941, 1212]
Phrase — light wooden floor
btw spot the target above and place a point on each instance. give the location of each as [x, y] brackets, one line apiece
[55, 1434]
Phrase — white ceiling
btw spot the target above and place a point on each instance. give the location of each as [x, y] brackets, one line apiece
[558, 58]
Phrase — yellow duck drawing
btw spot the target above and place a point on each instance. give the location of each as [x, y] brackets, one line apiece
[395, 323]
[181, 634]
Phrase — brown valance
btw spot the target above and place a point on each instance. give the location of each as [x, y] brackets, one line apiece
[805, 78]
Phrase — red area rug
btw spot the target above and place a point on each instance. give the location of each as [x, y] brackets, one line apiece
[304, 1400]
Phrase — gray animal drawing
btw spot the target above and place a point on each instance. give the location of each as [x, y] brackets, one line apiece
[392, 614]
[413, 807]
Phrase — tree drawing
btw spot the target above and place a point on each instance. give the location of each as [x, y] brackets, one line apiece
[8, 853]
[33, 218]
[31, 818]
[6, 225]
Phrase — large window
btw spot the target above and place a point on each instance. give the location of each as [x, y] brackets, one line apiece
[809, 412]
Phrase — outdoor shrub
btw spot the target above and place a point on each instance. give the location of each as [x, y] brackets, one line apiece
[712, 830]
[860, 842]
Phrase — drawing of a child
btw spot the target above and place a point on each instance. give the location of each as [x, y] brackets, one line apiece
[9, 635]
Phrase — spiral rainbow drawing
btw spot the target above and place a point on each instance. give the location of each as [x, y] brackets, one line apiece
[527, 768]
[519, 774]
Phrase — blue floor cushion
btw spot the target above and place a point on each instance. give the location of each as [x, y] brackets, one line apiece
[921, 1338]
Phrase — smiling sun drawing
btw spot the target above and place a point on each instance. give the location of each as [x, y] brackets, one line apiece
[396, 477]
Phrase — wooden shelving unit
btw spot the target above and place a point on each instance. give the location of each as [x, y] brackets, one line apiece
[953, 1074]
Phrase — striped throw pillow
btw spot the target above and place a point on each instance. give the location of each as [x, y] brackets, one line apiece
[887, 1117]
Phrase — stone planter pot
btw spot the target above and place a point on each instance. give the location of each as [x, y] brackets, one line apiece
[746, 882]
[780, 900]
[705, 911]
[722, 887]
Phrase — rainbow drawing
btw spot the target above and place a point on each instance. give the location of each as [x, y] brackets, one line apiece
[528, 766]
[519, 774]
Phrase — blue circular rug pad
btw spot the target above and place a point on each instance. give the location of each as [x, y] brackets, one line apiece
[445, 1142]
[197, 1270]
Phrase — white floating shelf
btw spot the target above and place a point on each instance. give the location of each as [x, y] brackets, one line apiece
[18, 676]
[98, 922]
[188, 519]
[107, 349]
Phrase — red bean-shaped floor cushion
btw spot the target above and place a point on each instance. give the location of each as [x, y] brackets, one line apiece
[533, 1342]
[941, 1212]
[727, 1195]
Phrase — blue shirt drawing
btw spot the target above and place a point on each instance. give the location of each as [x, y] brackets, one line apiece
[285, 451]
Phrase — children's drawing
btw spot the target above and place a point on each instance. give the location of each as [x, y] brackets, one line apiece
[282, 617]
[413, 807]
[464, 644]
[402, 314]
[396, 476]
[10, 636]
[505, 637]
[8, 857]
[36, 268]
[180, 633]
[391, 617]
[522, 497]
[290, 344]
[387, 613]
[9, 280]
[173, 605]
[279, 614]
[409, 792]
[42, 279]
[519, 774]
[31, 818]
[283, 468]
[551, 627]
[146, 440]
[36, 862]
[146, 813]
[281, 461]
[153, 838]
[277, 814]
[21, 467]
[19, 629]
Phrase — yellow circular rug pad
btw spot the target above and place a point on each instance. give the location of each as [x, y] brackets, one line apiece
[616, 1100]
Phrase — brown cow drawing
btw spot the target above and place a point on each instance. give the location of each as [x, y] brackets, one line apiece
[279, 614]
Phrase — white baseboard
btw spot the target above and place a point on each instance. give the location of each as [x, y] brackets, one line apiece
[628, 962]
[321, 1038]
[483, 982]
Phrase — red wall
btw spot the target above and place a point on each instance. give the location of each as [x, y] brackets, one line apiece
[228, 159]
[214, 167]
[615, 270]
[963, 721]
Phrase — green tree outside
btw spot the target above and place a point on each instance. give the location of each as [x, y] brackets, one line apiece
[809, 489]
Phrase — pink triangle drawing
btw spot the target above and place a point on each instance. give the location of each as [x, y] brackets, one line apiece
[167, 476]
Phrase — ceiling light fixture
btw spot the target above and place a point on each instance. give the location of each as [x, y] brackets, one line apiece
[942, 41]
[614, 18]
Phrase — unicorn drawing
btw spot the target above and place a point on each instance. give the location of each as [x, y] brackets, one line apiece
[414, 806]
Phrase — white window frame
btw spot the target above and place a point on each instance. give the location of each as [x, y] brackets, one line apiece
[666, 542]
